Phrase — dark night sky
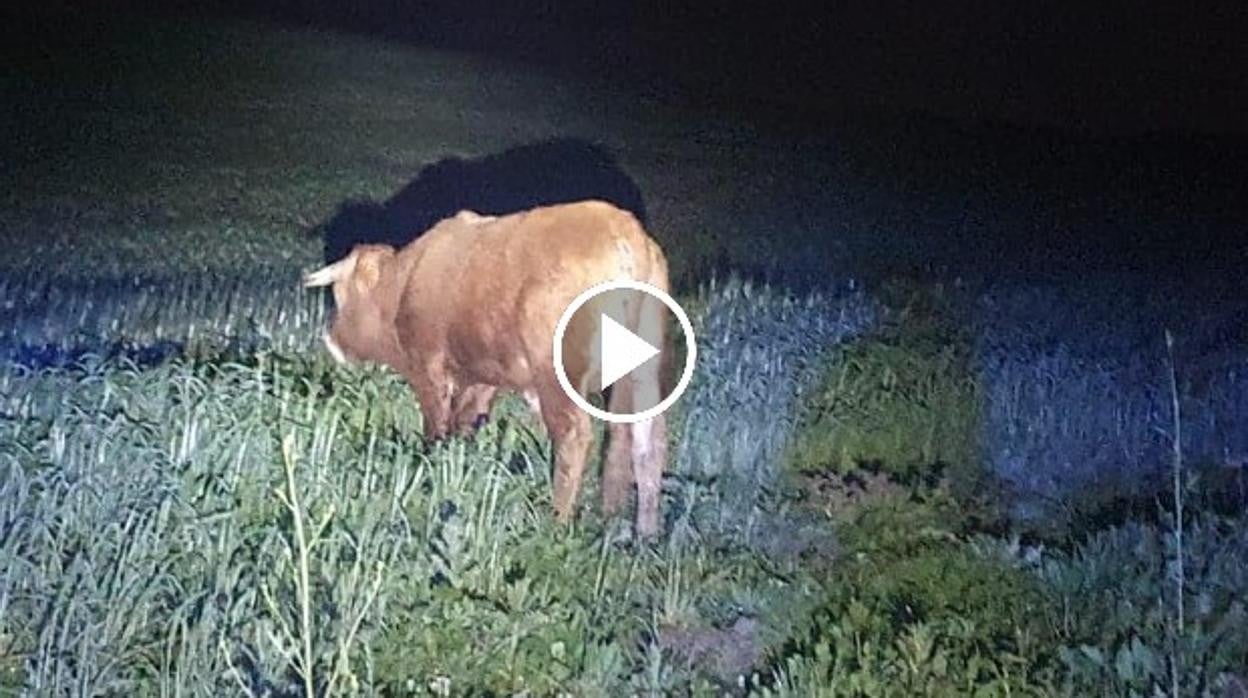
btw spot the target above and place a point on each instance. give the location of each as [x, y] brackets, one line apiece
[1096, 63]
[1116, 65]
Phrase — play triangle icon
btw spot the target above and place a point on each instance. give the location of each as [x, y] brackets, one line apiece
[621, 351]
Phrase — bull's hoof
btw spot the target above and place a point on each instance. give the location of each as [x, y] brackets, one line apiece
[433, 438]
[647, 528]
[564, 516]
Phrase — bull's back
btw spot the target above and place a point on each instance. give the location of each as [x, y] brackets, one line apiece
[491, 291]
[586, 242]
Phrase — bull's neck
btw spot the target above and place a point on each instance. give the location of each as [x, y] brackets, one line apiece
[390, 351]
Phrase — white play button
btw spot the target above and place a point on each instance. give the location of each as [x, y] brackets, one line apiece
[621, 351]
[619, 336]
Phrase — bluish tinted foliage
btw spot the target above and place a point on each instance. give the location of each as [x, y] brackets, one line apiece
[758, 351]
[1077, 389]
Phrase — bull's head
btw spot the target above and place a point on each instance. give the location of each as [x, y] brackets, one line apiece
[365, 300]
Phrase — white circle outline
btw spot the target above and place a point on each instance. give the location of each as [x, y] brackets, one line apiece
[685, 376]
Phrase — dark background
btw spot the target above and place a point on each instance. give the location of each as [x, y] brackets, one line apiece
[1102, 135]
[1106, 66]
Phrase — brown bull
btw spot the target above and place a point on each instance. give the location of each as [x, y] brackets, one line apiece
[471, 306]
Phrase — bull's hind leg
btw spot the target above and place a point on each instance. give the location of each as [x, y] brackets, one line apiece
[649, 436]
[617, 468]
[649, 442]
[571, 432]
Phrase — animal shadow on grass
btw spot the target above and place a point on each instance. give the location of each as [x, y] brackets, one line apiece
[547, 172]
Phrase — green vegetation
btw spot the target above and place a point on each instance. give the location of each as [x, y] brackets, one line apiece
[903, 400]
[221, 526]
[922, 602]
[911, 609]
[918, 603]
[1117, 598]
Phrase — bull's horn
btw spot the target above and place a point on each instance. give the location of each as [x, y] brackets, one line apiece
[329, 274]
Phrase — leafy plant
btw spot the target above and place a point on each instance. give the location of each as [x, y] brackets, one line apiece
[1115, 598]
[913, 610]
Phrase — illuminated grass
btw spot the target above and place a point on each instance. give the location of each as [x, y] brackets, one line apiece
[158, 535]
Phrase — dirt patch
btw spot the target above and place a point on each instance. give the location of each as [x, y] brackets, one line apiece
[725, 653]
[836, 493]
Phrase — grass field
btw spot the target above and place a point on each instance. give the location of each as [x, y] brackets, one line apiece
[880, 486]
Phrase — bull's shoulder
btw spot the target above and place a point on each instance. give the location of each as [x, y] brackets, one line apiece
[457, 232]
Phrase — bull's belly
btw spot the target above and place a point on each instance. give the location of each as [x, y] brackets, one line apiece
[516, 378]
[511, 374]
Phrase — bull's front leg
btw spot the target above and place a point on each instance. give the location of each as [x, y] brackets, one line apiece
[433, 391]
[571, 432]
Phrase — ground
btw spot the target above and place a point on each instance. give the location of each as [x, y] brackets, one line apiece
[195, 498]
